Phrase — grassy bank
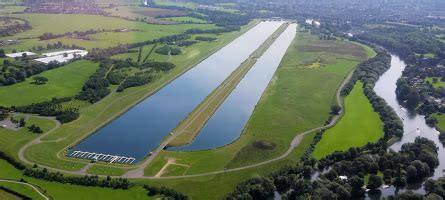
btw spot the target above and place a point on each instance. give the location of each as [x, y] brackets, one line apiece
[359, 125]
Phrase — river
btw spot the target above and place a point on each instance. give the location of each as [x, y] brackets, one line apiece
[141, 129]
[413, 124]
[226, 125]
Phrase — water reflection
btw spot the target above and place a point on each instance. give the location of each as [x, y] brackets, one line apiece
[141, 129]
[227, 123]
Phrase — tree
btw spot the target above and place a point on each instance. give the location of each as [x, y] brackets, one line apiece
[374, 182]
[22, 122]
[2, 53]
[335, 109]
[40, 79]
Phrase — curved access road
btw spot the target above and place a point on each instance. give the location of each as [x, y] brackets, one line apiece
[27, 184]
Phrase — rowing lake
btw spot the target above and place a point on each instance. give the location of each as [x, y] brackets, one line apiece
[226, 125]
[142, 128]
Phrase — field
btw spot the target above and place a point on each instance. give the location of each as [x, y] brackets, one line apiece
[438, 84]
[441, 121]
[281, 112]
[11, 141]
[144, 13]
[427, 55]
[359, 125]
[62, 82]
[8, 196]
[136, 31]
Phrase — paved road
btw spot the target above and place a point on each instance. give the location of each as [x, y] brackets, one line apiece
[27, 184]
[37, 140]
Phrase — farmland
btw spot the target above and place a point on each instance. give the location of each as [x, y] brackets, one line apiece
[359, 125]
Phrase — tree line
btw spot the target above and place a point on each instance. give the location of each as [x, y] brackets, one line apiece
[414, 163]
[51, 108]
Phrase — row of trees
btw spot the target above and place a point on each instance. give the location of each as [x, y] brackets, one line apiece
[44, 174]
[168, 50]
[165, 192]
[52, 108]
[96, 87]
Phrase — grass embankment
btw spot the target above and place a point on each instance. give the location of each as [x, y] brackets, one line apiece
[295, 100]
[62, 82]
[11, 141]
[187, 130]
[56, 23]
[65, 191]
[100, 113]
[358, 126]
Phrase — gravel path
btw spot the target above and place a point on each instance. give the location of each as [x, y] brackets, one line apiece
[27, 184]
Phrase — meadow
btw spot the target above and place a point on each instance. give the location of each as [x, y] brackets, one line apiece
[64, 81]
[438, 84]
[11, 141]
[358, 126]
[441, 121]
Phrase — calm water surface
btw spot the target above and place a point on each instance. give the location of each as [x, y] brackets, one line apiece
[414, 125]
[142, 128]
[227, 123]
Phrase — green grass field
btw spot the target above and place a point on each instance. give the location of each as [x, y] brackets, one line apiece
[359, 125]
[11, 141]
[282, 112]
[441, 121]
[427, 55]
[8, 196]
[62, 82]
[437, 84]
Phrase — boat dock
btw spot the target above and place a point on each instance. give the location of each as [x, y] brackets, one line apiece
[102, 157]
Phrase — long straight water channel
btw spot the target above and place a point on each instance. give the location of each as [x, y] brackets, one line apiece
[142, 128]
[227, 123]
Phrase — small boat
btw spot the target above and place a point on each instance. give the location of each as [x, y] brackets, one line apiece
[403, 118]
